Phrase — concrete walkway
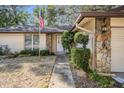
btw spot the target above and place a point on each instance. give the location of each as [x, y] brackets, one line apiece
[61, 76]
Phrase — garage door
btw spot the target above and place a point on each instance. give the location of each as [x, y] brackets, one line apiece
[117, 50]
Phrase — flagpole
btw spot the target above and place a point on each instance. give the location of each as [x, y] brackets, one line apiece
[39, 32]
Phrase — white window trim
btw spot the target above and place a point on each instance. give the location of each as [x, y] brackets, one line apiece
[32, 41]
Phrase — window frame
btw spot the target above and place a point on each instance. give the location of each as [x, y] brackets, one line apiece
[32, 46]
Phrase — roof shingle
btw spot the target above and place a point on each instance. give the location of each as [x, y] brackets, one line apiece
[29, 28]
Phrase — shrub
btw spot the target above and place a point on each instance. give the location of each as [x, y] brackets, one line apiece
[35, 52]
[26, 52]
[16, 54]
[103, 81]
[82, 38]
[1, 51]
[67, 40]
[52, 53]
[44, 52]
[80, 59]
[5, 51]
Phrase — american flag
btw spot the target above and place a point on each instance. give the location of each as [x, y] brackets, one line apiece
[41, 23]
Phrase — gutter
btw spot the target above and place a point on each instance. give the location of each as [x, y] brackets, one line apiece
[83, 29]
[79, 19]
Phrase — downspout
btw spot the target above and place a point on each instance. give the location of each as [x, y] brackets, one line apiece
[93, 44]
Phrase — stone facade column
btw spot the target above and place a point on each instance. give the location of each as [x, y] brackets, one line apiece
[49, 42]
[103, 44]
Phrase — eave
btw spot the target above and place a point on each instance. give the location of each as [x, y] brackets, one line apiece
[97, 14]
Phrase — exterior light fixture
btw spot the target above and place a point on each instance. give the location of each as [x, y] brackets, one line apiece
[104, 29]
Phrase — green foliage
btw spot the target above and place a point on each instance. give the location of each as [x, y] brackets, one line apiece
[101, 8]
[67, 14]
[67, 40]
[12, 15]
[35, 52]
[103, 81]
[57, 15]
[51, 15]
[1, 51]
[123, 86]
[45, 52]
[5, 51]
[80, 56]
[25, 52]
[36, 12]
[80, 59]
[82, 38]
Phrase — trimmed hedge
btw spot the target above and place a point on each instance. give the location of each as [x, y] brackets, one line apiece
[82, 38]
[35, 52]
[80, 59]
[67, 40]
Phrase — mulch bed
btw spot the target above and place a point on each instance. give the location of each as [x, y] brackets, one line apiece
[81, 80]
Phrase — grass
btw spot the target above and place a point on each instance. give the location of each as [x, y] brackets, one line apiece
[103, 81]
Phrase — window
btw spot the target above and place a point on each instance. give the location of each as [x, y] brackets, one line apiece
[35, 41]
[28, 41]
[31, 41]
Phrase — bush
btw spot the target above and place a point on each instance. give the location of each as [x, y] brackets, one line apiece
[35, 52]
[26, 52]
[44, 52]
[67, 40]
[82, 38]
[52, 53]
[1, 51]
[80, 59]
[103, 81]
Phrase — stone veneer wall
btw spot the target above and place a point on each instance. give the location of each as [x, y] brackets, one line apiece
[103, 45]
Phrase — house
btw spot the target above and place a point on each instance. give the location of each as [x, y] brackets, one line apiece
[106, 36]
[27, 37]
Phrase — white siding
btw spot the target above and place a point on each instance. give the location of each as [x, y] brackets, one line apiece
[117, 50]
[117, 21]
[117, 45]
[14, 41]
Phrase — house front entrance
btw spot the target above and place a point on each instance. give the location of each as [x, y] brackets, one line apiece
[59, 44]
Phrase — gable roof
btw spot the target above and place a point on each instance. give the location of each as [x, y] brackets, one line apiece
[29, 28]
[116, 12]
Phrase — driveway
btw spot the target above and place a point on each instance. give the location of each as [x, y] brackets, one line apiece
[26, 72]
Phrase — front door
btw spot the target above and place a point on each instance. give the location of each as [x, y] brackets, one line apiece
[59, 44]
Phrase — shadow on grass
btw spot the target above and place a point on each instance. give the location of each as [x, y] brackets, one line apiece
[42, 69]
[14, 64]
[10, 67]
[31, 59]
